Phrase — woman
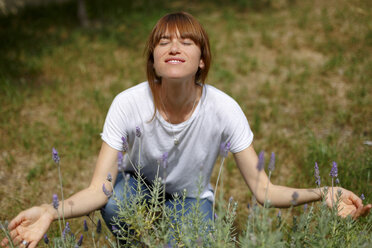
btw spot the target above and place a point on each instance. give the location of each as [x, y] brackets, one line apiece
[174, 113]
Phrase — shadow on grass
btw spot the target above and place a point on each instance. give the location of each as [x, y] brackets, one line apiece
[36, 30]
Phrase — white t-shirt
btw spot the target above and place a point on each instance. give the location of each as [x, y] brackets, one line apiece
[216, 119]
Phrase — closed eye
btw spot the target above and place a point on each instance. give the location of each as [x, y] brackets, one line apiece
[164, 41]
[187, 42]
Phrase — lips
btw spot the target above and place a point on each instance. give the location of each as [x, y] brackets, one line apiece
[174, 60]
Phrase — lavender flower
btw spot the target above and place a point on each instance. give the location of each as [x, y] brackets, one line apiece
[164, 160]
[99, 227]
[224, 149]
[85, 226]
[279, 214]
[305, 206]
[294, 198]
[120, 161]
[333, 172]
[80, 242]
[337, 181]
[231, 199]
[55, 155]
[138, 131]
[215, 216]
[362, 197]
[109, 177]
[316, 174]
[67, 230]
[261, 161]
[114, 229]
[107, 192]
[55, 201]
[125, 144]
[272, 162]
[46, 240]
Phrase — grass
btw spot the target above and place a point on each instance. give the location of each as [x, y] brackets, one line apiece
[301, 72]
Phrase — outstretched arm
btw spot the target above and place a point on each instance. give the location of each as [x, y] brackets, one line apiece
[281, 196]
[30, 225]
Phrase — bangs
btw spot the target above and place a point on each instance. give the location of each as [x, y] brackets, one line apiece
[185, 25]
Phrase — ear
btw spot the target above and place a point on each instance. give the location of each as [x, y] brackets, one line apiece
[201, 64]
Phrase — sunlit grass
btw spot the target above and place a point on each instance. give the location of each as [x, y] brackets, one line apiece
[301, 72]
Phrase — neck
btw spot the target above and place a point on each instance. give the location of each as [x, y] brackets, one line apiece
[179, 99]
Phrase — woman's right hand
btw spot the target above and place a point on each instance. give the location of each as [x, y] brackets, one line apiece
[30, 226]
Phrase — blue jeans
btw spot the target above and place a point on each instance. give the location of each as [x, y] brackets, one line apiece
[110, 210]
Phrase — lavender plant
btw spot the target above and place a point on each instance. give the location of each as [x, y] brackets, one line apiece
[144, 220]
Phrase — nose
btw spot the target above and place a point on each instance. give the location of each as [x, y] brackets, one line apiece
[174, 47]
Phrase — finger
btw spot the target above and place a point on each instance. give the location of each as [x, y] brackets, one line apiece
[16, 221]
[14, 233]
[4, 242]
[366, 209]
[356, 200]
[32, 244]
[17, 240]
[355, 214]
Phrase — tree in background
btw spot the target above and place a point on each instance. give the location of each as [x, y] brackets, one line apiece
[13, 6]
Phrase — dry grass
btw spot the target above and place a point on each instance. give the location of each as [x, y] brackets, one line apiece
[301, 73]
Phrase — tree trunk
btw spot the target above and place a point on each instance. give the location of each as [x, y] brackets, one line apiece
[82, 13]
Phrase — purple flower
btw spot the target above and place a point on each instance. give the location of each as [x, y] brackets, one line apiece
[125, 144]
[55, 201]
[164, 160]
[55, 155]
[67, 230]
[224, 149]
[305, 206]
[120, 161]
[231, 199]
[279, 213]
[333, 172]
[99, 227]
[261, 161]
[215, 216]
[362, 197]
[107, 192]
[337, 181]
[109, 177]
[114, 229]
[138, 131]
[272, 162]
[46, 240]
[80, 242]
[294, 198]
[316, 174]
[85, 226]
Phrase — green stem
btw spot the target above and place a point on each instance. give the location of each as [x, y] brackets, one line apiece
[215, 191]
[63, 199]
[332, 194]
[94, 243]
[267, 189]
[8, 236]
[60, 228]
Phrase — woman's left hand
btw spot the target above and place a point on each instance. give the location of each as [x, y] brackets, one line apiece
[349, 203]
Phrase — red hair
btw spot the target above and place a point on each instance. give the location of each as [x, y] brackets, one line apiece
[188, 27]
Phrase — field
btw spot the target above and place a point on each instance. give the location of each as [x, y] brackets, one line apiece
[300, 70]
